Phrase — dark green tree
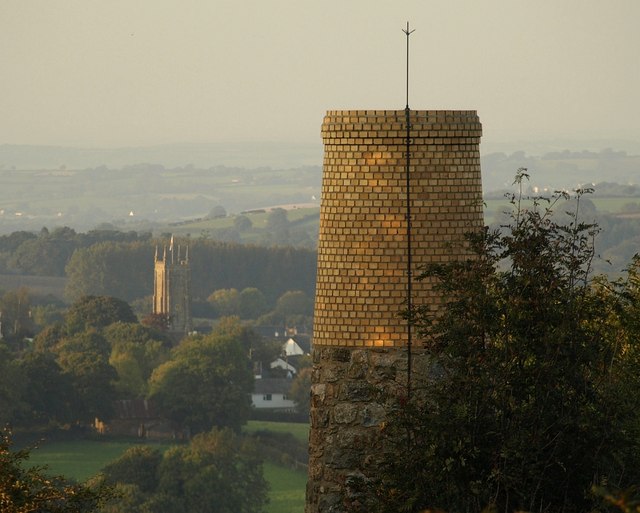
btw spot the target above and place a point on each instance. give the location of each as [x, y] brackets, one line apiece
[49, 337]
[207, 382]
[12, 386]
[9, 243]
[225, 302]
[533, 397]
[137, 466]
[135, 351]
[294, 302]
[277, 227]
[46, 314]
[216, 212]
[256, 347]
[123, 269]
[242, 223]
[128, 498]
[629, 293]
[48, 392]
[84, 358]
[15, 314]
[47, 254]
[251, 303]
[118, 269]
[97, 312]
[293, 308]
[218, 472]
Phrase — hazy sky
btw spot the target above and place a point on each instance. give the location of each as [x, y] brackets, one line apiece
[141, 72]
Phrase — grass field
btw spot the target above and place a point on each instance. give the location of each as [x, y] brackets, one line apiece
[302, 216]
[80, 459]
[287, 489]
[83, 459]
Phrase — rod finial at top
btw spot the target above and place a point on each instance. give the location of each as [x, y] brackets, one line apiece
[408, 33]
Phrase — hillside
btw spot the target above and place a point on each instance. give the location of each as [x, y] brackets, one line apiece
[83, 189]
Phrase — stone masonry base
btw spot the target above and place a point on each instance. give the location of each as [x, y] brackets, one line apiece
[352, 391]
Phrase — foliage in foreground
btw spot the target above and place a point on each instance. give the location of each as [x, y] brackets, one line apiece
[26, 489]
[534, 394]
[218, 472]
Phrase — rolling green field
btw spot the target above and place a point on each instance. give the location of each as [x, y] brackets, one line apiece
[80, 459]
[83, 459]
[145, 196]
[302, 217]
[287, 489]
[309, 217]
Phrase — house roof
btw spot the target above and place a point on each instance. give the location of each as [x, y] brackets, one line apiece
[302, 341]
[283, 364]
[292, 348]
[282, 333]
[272, 386]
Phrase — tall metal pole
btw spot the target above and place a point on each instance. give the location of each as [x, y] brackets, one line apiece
[407, 114]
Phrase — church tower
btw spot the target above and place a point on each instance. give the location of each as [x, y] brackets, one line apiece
[172, 288]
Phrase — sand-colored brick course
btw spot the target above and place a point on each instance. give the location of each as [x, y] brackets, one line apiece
[362, 249]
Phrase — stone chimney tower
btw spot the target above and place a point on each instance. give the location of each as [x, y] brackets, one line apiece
[360, 340]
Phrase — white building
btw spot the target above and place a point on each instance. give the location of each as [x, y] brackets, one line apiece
[272, 394]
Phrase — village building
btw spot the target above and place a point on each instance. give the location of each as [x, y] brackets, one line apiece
[272, 385]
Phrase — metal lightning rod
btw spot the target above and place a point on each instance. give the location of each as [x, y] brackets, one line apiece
[407, 114]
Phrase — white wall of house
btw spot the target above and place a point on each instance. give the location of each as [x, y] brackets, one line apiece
[264, 401]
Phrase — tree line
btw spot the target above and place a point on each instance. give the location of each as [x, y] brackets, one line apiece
[75, 369]
[118, 264]
[48, 252]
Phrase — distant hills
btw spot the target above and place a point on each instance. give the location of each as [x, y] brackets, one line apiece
[556, 168]
[561, 169]
[152, 188]
[233, 154]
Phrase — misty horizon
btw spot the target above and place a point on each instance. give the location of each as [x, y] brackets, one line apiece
[118, 75]
[247, 154]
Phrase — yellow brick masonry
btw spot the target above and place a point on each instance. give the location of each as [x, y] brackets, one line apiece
[361, 283]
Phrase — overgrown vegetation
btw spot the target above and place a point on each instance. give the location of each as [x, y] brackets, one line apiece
[535, 396]
[25, 489]
[217, 472]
